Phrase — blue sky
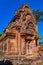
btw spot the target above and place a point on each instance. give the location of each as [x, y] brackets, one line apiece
[8, 7]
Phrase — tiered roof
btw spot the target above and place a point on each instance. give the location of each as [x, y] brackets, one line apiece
[23, 21]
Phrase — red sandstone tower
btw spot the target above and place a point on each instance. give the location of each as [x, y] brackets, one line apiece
[20, 36]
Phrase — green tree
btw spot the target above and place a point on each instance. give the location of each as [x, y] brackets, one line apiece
[38, 14]
[0, 34]
[41, 41]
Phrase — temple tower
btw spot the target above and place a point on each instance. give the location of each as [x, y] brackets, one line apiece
[20, 36]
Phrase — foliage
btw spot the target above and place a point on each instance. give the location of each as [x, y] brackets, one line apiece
[37, 13]
[41, 41]
[1, 33]
[39, 16]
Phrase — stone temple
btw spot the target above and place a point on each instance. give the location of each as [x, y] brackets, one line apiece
[20, 38]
